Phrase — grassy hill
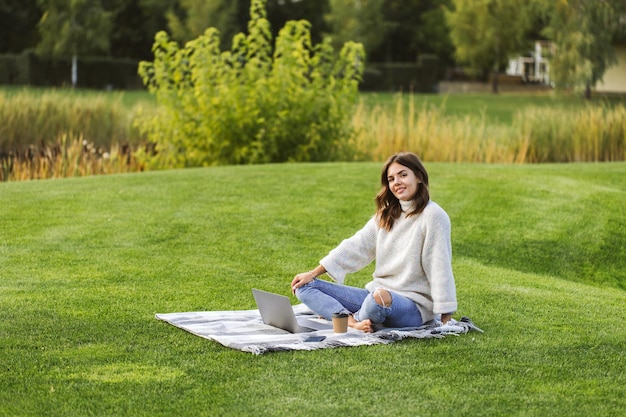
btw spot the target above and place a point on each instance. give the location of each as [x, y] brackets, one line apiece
[539, 260]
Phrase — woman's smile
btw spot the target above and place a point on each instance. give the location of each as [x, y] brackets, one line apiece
[399, 190]
[403, 182]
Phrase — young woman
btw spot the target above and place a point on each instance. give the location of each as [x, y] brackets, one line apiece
[409, 237]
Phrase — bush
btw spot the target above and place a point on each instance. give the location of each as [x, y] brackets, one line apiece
[250, 105]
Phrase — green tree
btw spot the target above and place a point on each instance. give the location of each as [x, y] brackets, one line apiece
[432, 34]
[583, 32]
[279, 12]
[392, 30]
[192, 17]
[415, 27]
[18, 20]
[72, 28]
[357, 20]
[486, 33]
[133, 25]
[188, 19]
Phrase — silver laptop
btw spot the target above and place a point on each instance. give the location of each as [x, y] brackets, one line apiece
[276, 310]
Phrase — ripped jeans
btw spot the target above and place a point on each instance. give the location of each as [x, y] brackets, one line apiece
[326, 298]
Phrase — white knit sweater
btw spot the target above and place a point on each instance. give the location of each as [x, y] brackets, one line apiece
[414, 259]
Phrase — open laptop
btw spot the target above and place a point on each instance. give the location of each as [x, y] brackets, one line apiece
[276, 311]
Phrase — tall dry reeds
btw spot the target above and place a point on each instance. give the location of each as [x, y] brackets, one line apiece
[54, 135]
[40, 117]
[71, 156]
[433, 134]
[594, 133]
[60, 133]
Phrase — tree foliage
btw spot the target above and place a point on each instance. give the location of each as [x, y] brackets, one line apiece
[254, 103]
[409, 27]
[195, 16]
[583, 31]
[279, 12]
[133, 25]
[434, 36]
[17, 23]
[483, 32]
[75, 27]
[360, 20]
[486, 33]
[415, 27]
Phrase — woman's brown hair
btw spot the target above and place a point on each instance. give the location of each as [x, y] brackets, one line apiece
[388, 207]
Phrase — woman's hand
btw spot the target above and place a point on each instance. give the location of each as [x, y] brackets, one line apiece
[301, 279]
[365, 325]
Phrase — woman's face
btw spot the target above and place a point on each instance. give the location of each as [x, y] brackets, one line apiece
[402, 181]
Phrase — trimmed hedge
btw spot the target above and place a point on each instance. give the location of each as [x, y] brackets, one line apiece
[419, 77]
[93, 72]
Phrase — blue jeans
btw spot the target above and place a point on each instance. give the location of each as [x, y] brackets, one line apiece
[326, 298]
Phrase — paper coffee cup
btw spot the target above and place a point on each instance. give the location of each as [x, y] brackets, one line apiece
[340, 323]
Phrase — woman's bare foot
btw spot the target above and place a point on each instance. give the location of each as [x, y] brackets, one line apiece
[365, 325]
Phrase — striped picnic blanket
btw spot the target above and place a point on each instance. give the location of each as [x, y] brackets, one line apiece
[244, 330]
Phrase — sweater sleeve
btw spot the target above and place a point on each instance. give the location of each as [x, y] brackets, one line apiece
[352, 254]
[437, 262]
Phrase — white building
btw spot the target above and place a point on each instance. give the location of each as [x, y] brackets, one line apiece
[533, 67]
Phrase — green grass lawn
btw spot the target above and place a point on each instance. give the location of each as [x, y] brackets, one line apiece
[539, 260]
[497, 108]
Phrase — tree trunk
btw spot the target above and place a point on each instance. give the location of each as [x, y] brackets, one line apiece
[588, 91]
[495, 83]
[74, 71]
